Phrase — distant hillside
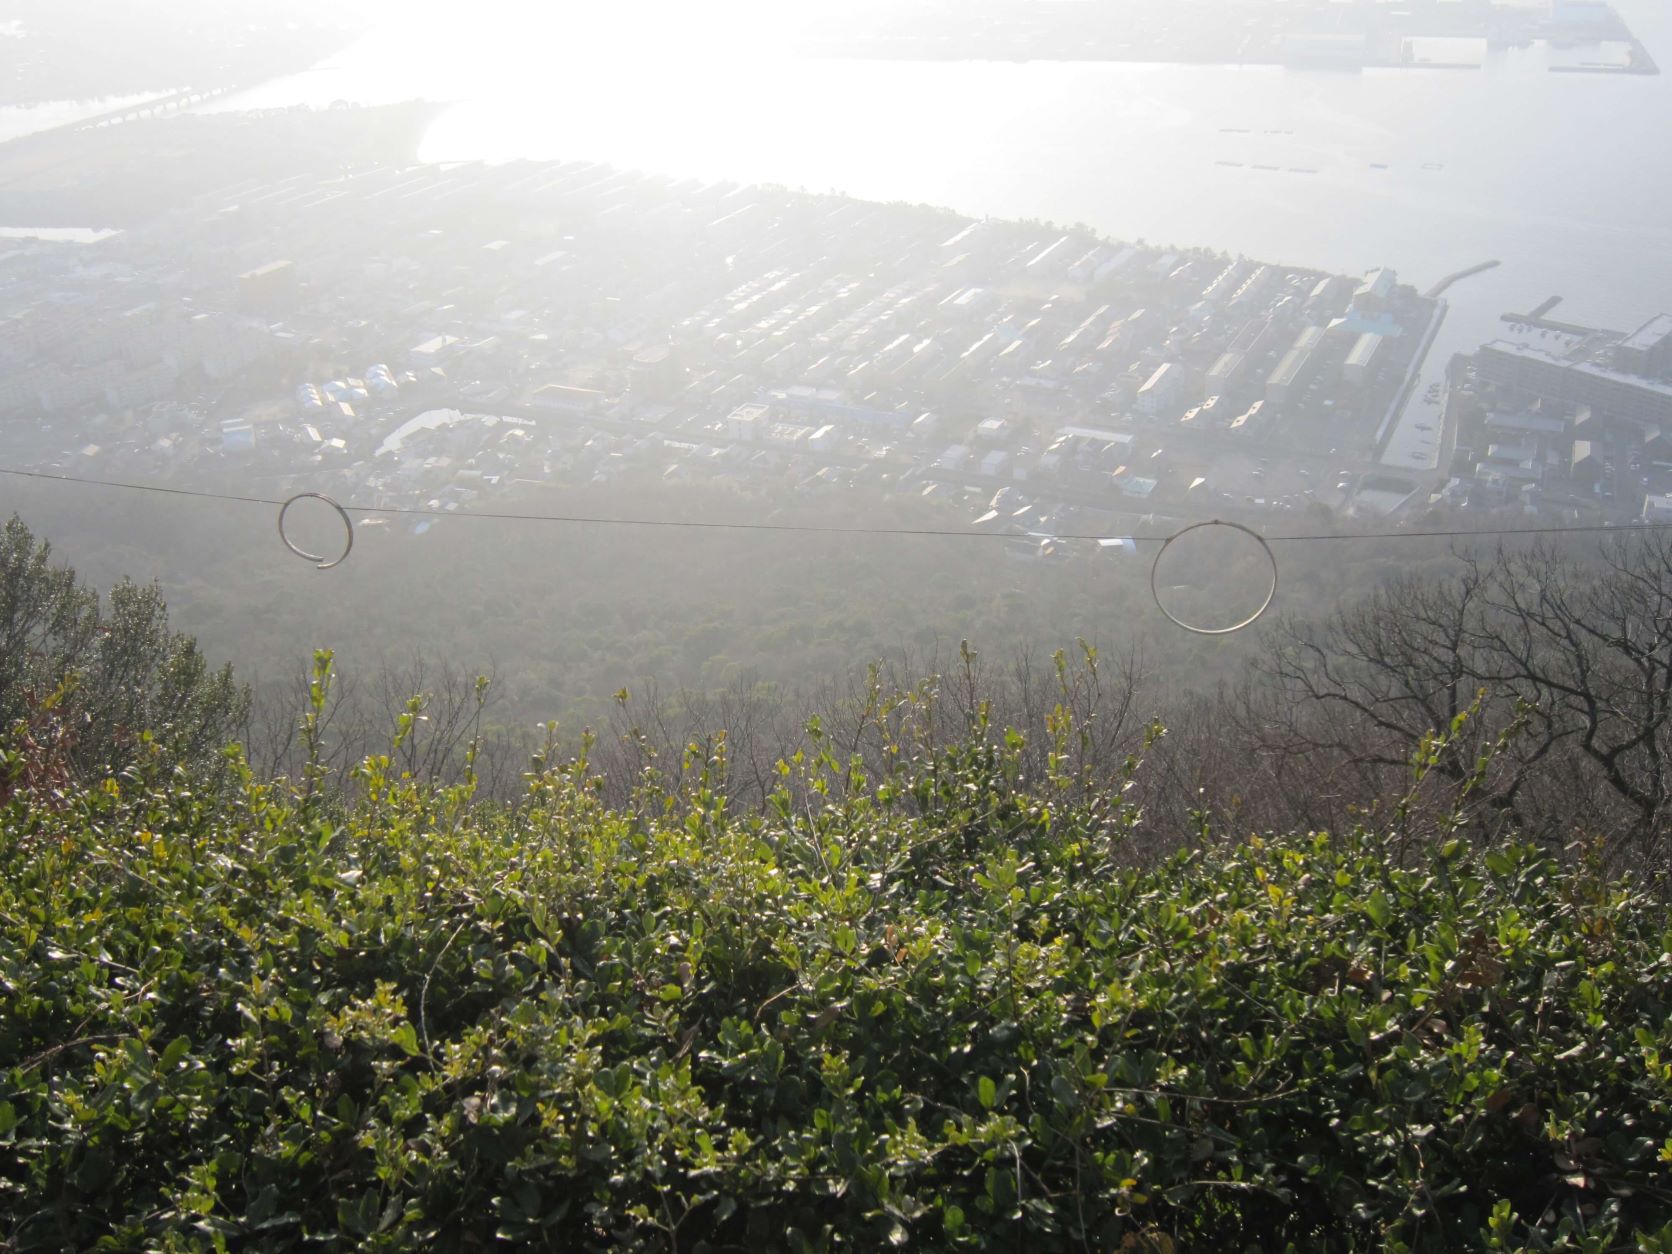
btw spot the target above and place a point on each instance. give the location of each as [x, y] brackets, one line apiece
[81, 49]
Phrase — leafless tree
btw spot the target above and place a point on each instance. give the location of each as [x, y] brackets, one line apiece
[1558, 659]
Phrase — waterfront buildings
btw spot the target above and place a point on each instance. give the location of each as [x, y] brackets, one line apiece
[1612, 375]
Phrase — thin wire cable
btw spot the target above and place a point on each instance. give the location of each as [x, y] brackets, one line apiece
[818, 529]
[140, 487]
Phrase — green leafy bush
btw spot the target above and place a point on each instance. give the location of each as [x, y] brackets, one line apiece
[89, 687]
[930, 1007]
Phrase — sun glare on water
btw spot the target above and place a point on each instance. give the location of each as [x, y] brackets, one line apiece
[648, 82]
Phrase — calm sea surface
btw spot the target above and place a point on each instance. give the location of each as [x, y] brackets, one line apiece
[1566, 178]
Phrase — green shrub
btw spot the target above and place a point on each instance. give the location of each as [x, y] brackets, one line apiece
[935, 1012]
[90, 687]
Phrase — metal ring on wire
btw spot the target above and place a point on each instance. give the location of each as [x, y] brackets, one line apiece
[1253, 618]
[316, 559]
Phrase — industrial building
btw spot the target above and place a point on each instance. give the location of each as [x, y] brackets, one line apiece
[1581, 380]
[1295, 369]
[1362, 359]
[1160, 390]
[1647, 351]
[271, 288]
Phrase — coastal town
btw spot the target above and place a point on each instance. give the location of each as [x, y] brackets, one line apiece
[1588, 36]
[445, 338]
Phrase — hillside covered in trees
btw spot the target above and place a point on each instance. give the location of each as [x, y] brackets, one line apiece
[1368, 952]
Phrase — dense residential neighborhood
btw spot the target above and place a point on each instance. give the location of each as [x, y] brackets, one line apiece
[381, 337]
[434, 336]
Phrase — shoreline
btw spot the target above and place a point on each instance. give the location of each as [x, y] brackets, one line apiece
[184, 100]
[117, 175]
[1650, 70]
[1397, 411]
[1403, 408]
